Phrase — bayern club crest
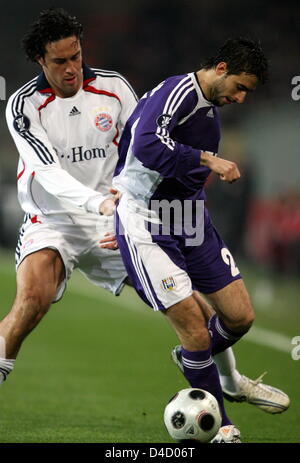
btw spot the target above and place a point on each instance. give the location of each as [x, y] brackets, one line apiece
[103, 122]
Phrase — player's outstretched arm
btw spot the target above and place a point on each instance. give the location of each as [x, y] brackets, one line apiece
[39, 156]
[107, 208]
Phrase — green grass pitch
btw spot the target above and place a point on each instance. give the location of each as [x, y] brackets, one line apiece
[98, 369]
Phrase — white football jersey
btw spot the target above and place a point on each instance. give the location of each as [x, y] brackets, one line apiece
[68, 147]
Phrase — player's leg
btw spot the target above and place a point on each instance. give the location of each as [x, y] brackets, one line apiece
[236, 386]
[198, 367]
[225, 360]
[38, 278]
[234, 315]
[232, 303]
[214, 273]
[212, 268]
[167, 287]
[233, 318]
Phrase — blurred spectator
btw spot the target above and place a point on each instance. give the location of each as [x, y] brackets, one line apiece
[274, 233]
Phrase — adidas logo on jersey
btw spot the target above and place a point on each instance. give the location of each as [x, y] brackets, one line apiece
[210, 113]
[74, 111]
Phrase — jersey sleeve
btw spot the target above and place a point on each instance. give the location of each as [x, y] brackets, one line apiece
[153, 144]
[128, 102]
[37, 152]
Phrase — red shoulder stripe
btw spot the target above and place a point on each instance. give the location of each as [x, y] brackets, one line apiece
[22, 171]
[90, 88]
[49, 99]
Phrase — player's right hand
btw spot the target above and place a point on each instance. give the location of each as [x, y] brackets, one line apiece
[108, 206]
[227, 170]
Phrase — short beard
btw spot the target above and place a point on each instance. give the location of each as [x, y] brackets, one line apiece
[215, 95]
[216, 102]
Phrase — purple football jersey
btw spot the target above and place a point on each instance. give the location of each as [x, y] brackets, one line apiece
[159, 164]
[162, 140]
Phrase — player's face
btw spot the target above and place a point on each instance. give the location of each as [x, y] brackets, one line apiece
[232, 88]
[62, 66]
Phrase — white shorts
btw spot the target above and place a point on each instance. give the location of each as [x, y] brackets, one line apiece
[155, 276]
[76, 238]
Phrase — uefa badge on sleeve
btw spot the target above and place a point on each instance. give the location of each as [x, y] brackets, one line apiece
[21, 123]
[163, 120]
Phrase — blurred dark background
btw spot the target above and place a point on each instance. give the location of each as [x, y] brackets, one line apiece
[146, 41]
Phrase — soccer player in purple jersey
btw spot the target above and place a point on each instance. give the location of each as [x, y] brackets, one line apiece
[169, 245]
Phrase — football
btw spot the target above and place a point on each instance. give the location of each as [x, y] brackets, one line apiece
[192, 414]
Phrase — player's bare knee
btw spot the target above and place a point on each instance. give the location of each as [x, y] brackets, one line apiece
[248, 318]
[243, 322]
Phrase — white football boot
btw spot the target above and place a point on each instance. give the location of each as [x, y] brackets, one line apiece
[176, 357]
[266, 398]
[227, 435]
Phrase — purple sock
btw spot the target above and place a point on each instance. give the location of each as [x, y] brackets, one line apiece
[201, 371]
[221, 336]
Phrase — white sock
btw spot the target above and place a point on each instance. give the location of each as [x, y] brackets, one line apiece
[229, 375]
[6, 366]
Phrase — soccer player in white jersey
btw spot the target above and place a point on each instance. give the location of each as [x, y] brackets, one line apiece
[66, 124]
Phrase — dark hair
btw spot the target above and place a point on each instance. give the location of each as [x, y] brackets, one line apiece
[53, 24]
[241, 55]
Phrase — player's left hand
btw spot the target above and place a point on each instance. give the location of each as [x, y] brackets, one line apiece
[109, 242]
[228, 171]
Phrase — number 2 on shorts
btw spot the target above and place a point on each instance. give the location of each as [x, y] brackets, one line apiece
[229, 260]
